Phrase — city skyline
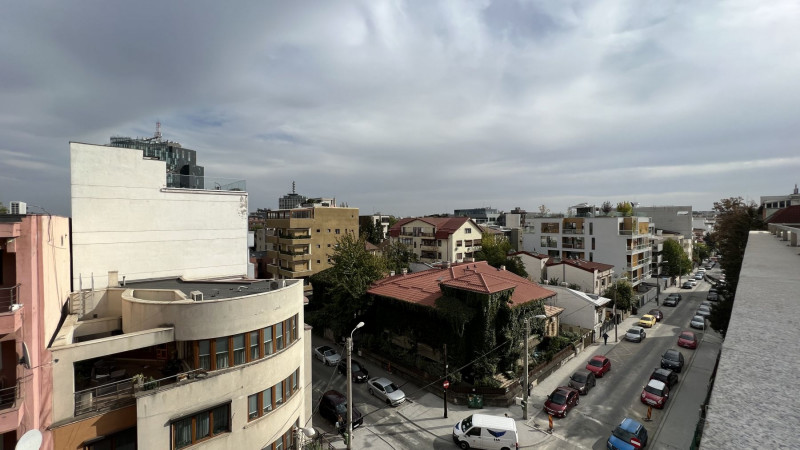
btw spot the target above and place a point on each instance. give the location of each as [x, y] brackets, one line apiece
[415, 108]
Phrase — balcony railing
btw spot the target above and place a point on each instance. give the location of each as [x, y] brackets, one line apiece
[416, 233]
[179, 181]
[573, 231]
[8, 396]
[9, 296]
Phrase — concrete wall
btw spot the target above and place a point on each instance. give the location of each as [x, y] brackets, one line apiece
[672, 218]
[124, 219]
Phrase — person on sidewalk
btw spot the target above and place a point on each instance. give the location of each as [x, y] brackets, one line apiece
[605, 338]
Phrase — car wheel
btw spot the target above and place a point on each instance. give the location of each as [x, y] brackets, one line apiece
[388, 402]
[463, 445]
[566, 411]
[370, 391]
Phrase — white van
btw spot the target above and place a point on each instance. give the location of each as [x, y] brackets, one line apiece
[486, 432]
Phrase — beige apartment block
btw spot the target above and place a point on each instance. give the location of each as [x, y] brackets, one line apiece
[302, 240]
[434, 239]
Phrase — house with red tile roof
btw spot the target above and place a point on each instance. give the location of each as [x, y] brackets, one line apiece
[451, 239]
[473, 308]
[591, 276]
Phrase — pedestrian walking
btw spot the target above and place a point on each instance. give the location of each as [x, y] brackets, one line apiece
[605, 338]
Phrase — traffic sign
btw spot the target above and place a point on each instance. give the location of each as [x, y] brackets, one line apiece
[446, 384]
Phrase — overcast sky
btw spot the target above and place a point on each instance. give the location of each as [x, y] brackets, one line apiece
[413, 108]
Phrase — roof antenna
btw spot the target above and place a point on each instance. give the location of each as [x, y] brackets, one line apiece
[157, 135]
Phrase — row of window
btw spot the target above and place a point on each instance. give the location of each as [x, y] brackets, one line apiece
[228, 351]
[201, 426]
[286, 441]
[468, 243]
[261, 403]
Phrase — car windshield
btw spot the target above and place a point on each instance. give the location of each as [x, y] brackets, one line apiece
[622, 434]
[558, 398]
[355, 367]
[466, 424]
[329, 352]
[579, 377]
[596, 363]
[389, 388]
[687, 336]
[653, 390]
[672, 356]
[341, 408]
[633, 331]
[698, 319]
[653, 312]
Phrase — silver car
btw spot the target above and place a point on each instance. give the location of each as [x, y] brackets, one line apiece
[327, 355]
[698, 322]
[635, 334]
[703, 311]
[385, 390]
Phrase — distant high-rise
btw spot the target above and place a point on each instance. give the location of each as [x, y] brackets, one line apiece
[182, 168]
[292, 200]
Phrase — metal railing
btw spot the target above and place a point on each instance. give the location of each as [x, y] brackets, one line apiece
[179, 181]
[9, 296]
[9, 396]
[573, 231]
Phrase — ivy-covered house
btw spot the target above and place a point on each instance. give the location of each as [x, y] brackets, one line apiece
[477, 310]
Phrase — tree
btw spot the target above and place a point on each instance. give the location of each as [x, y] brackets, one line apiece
[607, 207]
[371, 232]
[625, 208]
[735, 219]
[3, 209]
[495, 250]
[621, 293]
[677, 262]
[544, 210]
[352, 272]
[700, 251]
[398, 256]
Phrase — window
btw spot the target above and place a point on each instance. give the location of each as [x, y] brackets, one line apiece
[285, 442]
[337, 231]
[268, 344]
[272, 397]
[293, 326]
[549, 227]
[467, 230]
[255, 346]
[204, 355]
[206, 424]
[279, 336]
[459, 256]
[279, 394]
[266, 395]
[238, 349]
[252, 407]
[459, 243]
[222, 352]
[329, 230]
[319, 246]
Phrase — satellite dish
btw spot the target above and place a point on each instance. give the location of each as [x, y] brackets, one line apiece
[31, 440]
[26, 362]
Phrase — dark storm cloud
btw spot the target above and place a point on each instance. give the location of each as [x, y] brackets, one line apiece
[414, 107]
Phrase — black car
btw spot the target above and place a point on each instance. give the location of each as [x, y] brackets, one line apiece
[673, 360]
[582, 381]
[666, 376]
[333, 406]
[360, 373]
[686, 285]
[672, 300]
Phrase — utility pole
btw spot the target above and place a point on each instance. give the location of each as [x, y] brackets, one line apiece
[525, 387]
[445, 379]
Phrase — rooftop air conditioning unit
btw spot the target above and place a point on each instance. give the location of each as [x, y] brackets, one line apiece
[19, 208]
[197, 296]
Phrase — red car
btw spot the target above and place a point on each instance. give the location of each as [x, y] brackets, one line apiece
[687, 339]
[561, 401]
[655, 393]
[599, 364]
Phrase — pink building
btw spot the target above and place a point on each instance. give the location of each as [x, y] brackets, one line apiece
[34, 285]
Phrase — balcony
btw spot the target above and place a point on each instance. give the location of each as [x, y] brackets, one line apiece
[10, 315]
[285, 272]
[413, 233]
[573, 231]
[9, 408]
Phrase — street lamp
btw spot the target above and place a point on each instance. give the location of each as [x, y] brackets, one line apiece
[525, 387]
[350, 386]
[614, 286]
[301, 432]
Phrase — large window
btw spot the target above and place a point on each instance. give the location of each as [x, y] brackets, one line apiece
[549, 227]
[228, 351]
[263, 402]
[286, 441]
[201, 426]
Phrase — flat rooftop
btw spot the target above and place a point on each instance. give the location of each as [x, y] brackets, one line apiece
[752, 403]
[211, 289]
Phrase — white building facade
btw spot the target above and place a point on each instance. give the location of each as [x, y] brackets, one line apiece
[434, 239]
[581, 311]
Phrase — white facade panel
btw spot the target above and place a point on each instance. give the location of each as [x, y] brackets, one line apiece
[125, 220]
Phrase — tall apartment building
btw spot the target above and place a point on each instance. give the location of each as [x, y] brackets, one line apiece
[34, 285]
[623, 242]
[301, 240]
[433, 239]
[166, 342]
[291, 200]
[482, 216]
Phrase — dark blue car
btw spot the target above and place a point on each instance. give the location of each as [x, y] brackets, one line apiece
[629, 435]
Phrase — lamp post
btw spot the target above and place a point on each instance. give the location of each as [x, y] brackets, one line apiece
[350, 386]
[615, 278]
[525, 387]
[301, 432]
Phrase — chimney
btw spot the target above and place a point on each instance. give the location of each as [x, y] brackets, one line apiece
[113, 278]
[446, 264]
[405, 271]
[391, 273]
[502, 267]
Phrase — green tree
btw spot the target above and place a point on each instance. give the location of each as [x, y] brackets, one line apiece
[607, 207]
[677, 262]
[371, 232]
[495, 249]
[352, 272]
[398, 256]
[621, 293]
[735, 219]
[700, 251]
[625, 208]
[3, 209]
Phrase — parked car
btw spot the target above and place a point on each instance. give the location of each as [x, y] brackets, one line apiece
[646, 321]
[561, 401]
[672, 300]
[672, 360]
[327, 355]
[599, 365]
[333, 406]
[698, 322]
[657, 314]
[357, 370]
[669, 377]
[655, 393]
[582, 381]
[628, 435]
[687, 339]
[384, 389]
[693, 282]
[686, 285]
[704, 311]
[698, 277]
[635, 334]
[712, 296]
